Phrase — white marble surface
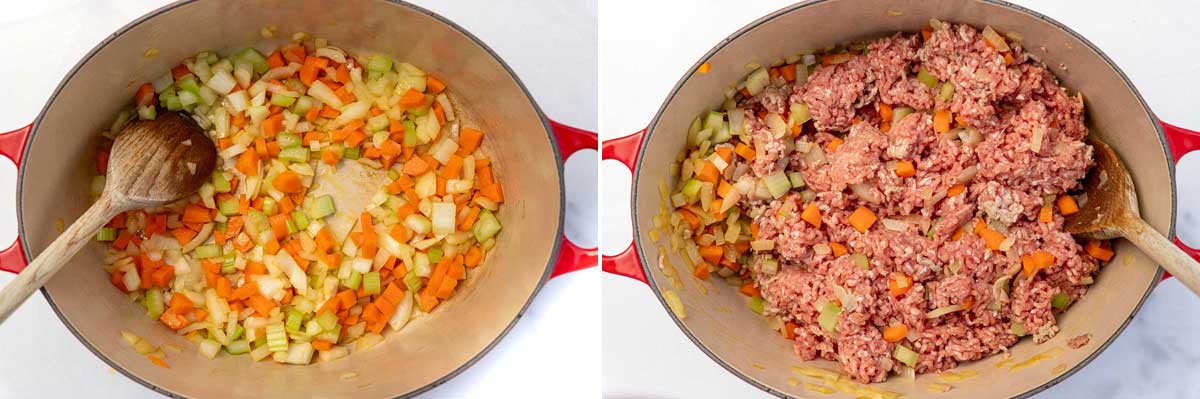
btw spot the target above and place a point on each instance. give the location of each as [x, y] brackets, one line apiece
[645, 355]
[541, 357]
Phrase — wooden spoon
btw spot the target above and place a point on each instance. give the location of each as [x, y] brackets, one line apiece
[1112, 211]
[153, 163]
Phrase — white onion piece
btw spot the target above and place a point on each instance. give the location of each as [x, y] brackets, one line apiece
[967, 174]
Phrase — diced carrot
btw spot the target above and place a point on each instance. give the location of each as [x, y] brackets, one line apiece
[941, 121]
[750, 290]
[838, 248]
[885, 111]
[202, 314]
[342, 74]
[272, 125]
[275, 60]
[288, 182]
[453, 167]
[412, 98]
[955, 190]
[322, 345]
[180, 304]
[195, 213]
[161, 277]
[493, 191]
[1008, 58]
[1067, 205]
[745, 151]
[447, 288]
[834, 144]
[173, 320]
[895, 333]
[708, 173]
[905, 168]
[712, 253]
[224, 288]
[1043, 259]
[811, 214]
[1097, 249]
[701, 271]
[991, 238]
[183, 235]
[899, 284]
[180, 71]
[278, 224]
[144, 95]
[426, 302]
[271, 247]
[262, 306]
[690, 218]
[789, 330]
[469, 140]
[926, 32]
[433, 85]
[415, 167]
[724, 188]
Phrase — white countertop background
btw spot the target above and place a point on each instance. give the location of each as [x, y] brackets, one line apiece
[548, 354]
[646, 46]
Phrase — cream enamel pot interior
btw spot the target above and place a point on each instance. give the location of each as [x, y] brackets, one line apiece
[741, 341]
[55, 157]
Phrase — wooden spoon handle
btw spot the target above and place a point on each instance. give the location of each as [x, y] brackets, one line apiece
[55, 256]
[1163, 251]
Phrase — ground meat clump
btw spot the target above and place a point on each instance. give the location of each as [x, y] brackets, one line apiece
[833, 92]
[1079, 341]
[1017, 142]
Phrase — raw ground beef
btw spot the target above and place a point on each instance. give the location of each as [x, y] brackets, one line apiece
[1029, 149]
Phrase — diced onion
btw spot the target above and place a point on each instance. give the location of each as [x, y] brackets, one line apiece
[894, 225]
[944, 310]
[967, 174]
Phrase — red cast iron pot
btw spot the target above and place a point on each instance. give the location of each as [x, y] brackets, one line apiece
[743, 343]
[527, 149]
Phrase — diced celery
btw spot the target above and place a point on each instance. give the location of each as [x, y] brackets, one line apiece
[291, 226]
[209, 348]
[270, 206]
[251, 56]
[486, 226]
[796, 179]
[302, 105]
[757, 304]
[256, 223]
[351, 153]
[799, 114]
[1060, 300]
[282, 100]
[379, 63]
[413, 281]
[238, 347]
[296, 154]
[221, 183]
[1017, 328]
[713, 120]
[354, 280]
[106, 234]
[435, 254]
[927, 78]
[328, 320]
[905, 355]
[691, 189]
[372, 283]
[899, 113]
[410, 133]
[229, 206]
[777, 184]
[146, 112]
[419, 224]
[321, 207]
[189, 84]
[237, 332]
[277, 340]
[946, 93]
[294, 318]
[828, 317]
[288, 140]
[229, 264]
[169, 100]
[299, 220]
[153, 302]
[207, 251]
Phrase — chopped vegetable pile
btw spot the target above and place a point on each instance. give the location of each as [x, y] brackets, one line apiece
[249, 264]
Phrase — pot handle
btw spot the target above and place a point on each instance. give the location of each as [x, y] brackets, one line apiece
[624, 150]
[12, 145]
[1181, 141]
[572, 257]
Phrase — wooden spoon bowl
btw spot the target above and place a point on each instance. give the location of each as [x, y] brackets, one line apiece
[1111, 211]
[153, 163]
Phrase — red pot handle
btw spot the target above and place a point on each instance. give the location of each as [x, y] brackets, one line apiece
[625, 150]
[1181, 141]
[12, 145]
[572, 257]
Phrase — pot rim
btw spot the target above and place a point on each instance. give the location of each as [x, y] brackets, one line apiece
[641, 254]
[550, 262]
